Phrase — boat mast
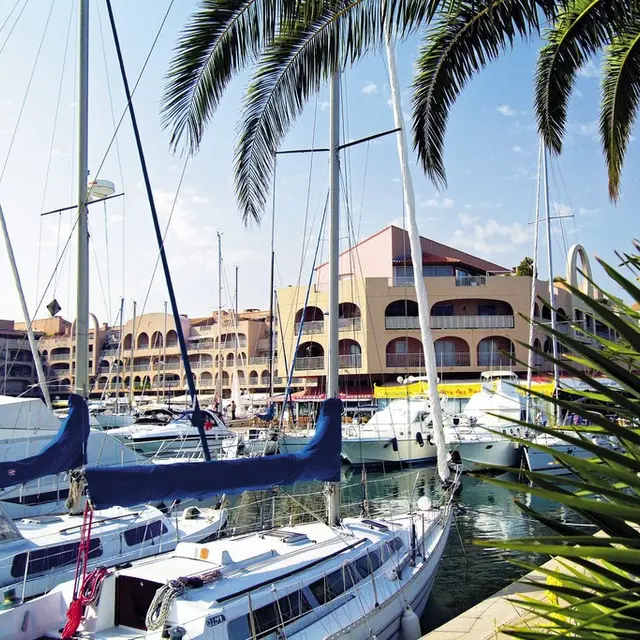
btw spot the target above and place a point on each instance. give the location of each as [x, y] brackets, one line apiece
[271, 294]
[534, 278]
[119, 371]
[552, 301]
[133, 348]
[82, 301]
[42, 380]
[333, 505]
[416, 258]
[235, 355]
[219, 385]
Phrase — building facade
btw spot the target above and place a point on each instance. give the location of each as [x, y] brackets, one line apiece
[476, 313]
[17, 370]
[147, 358]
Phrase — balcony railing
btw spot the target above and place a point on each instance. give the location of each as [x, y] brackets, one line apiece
[232, 344]
[494, 359]
[456, 359]
[309, 327]
[309, 364]
[259, 360]
[254, 382]
[195, 364]
[401, 322]
[350, 361]
[203, 344]
[349, 324]
[410, 360]
[59, 356]
[472, 322]
[471, 281]
[110, 352]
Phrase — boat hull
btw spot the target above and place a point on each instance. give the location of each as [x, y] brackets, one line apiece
[479, 455]
[372, 451]
[537, 460]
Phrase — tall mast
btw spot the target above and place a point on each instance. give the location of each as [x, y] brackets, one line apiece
[42, 380]
[534, 278]
[133, 349]
[119, 370]
[219, 385]
[271, 286]
[82, 301]
[333, 505]
[416, 259]
[552, 297]
[235, 355]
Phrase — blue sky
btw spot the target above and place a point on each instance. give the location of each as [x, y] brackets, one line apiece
[491, 154]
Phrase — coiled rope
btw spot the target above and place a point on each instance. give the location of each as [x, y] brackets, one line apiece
[160, 606]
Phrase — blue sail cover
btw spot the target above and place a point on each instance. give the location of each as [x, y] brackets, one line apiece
[133, 485]
[68, 450]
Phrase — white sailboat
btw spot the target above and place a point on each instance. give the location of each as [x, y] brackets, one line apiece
[356, 576]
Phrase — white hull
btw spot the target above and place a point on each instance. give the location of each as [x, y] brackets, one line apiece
[383, 450]
[115, 420]
[372, 603]
[492, 453]
[543, 461]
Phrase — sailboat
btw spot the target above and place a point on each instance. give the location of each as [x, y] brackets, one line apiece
[359, 576]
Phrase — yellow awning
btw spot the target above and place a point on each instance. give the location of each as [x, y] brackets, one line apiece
[448, 389]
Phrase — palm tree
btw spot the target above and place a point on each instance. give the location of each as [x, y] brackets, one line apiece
[460, 45]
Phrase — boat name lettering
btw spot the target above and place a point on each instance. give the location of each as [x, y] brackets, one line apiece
[217, 619]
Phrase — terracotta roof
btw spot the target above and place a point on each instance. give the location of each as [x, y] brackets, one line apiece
[427, 258]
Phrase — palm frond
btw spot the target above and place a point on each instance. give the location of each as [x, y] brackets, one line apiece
[582, 29]
[221, 38]
[454, 50]
[620, 98]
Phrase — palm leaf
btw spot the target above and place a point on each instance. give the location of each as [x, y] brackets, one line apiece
[620, 97]
[457, 47]
[582, 29]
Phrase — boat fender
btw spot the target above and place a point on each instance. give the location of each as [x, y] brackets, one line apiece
[410, 625]
[419, 439]
[394, 443]
[177, 633]
[430, 439]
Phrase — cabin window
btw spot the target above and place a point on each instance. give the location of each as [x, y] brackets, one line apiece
[8, 530]
[271, 617]
[369, 563]
[394, 545]
[148, 531]
[42, 560]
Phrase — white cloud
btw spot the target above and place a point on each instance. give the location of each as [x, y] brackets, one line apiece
[588, 212]
[196, 199]
[489, 238]
[578, 93]
[323, 106]
[370, 88]
[589, 70]
[560, 209]
[587, 128]
[506, 110]
[517, 149]
[437, 203]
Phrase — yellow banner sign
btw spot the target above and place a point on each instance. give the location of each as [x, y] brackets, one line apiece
[448, 389]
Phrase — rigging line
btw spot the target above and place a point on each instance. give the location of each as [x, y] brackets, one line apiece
[53, 136]
[4, 44]
[9, 15]
[308, 197]
[118, 157]
[102, 291]
[364, 182]
[26, 93]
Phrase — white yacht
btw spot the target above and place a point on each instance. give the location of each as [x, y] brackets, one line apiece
[398, 434]
[176, 437]
[471, 436]
[26, 427]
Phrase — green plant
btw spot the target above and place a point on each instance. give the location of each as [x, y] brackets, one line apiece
[525, 268]
[596, 588]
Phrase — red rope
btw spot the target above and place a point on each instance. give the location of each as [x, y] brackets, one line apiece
[86, 587]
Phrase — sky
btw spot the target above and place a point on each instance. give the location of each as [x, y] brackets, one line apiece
[490, 154]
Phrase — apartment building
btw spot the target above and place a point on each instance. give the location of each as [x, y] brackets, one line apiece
[17, 369]
[146, 358]
[476, 310]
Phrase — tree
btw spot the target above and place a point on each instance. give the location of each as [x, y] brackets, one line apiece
[597, 583]
[461, 44]
[525, 268]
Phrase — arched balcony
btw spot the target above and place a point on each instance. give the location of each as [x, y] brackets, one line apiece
[254, 380]
[157, 340]
[312, 320]
[102, 383]
[128, 340]
[168, 381]
[405, 353]
[264, 379]
[226, 380]
[231, 341]
[452, 352]
[60, 353]
[172, 338]
[309, 356]
[143, 341]
[495, 352]
[349, 354]
[230, 359]
[199, 360]
[104, 366]
[401, 315]
[241, 377]
[349, 317]
[472, 313]
[206, 380]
